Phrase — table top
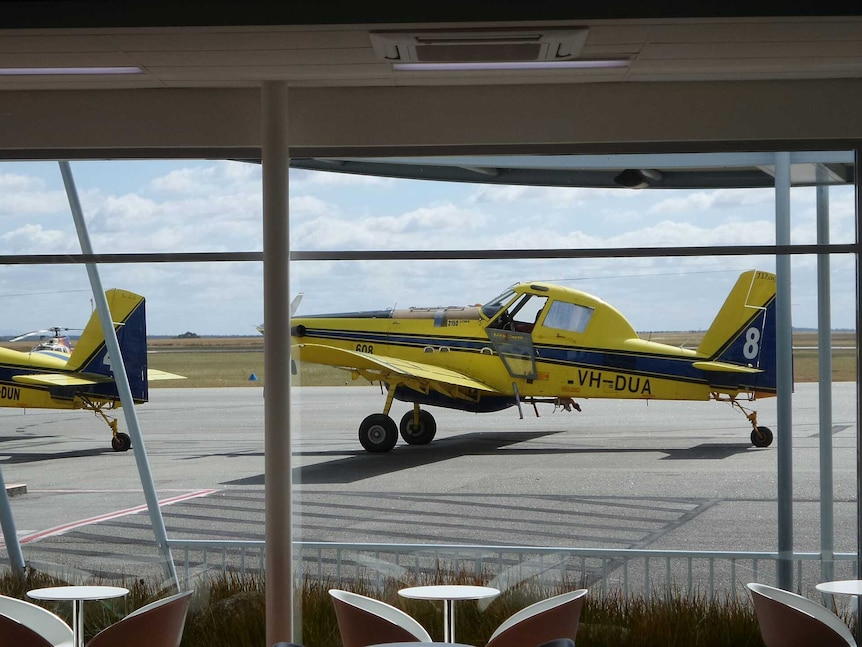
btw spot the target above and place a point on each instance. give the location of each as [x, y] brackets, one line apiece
[420, 644]
[448, 592]
[77, 593]
[846, 587]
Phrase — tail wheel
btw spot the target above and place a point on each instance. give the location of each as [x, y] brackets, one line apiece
[761, 437]
[121, 442]
[420, 434]
[378, 433]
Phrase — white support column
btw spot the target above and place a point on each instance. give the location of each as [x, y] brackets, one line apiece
[276, 317]
[824, 356]
[784, 366]
[10, 534]
[121, 380]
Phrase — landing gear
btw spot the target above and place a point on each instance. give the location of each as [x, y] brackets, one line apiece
[760, 436]
[418, 426]
[121, 442]
[378, 433]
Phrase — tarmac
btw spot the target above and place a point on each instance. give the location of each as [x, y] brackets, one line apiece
[619, 474]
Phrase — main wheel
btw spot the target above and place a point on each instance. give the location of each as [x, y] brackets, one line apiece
[121, 442]
[378, 433]
[420, 434]
[761, 437]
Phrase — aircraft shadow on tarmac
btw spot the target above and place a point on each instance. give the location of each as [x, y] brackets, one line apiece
[20, 457]
[358, 465]
[16, 458]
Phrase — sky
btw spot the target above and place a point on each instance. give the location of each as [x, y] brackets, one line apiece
[212, 206]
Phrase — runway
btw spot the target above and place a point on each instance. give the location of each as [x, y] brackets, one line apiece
[670, 475]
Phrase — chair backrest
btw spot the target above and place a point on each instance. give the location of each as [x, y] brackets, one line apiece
[17, 634]
[559, 642]
[546, 620]
[364, 621]
[158, 624]
[48, 625]
[790, 620]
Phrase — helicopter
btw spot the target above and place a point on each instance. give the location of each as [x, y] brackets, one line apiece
[58, 342]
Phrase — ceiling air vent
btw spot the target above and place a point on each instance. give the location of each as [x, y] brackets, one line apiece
[479, 45]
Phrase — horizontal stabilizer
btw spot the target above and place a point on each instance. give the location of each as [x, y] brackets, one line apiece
[724, 367]
[349, 360]
[59, 379]
[155, 375]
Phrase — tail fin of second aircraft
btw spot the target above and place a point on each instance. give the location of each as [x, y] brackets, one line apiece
[128, 313]
[743, 334]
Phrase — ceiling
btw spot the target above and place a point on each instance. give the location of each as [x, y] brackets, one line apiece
[695, 76]
[236, 45]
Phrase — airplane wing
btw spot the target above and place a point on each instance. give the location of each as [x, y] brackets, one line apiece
[71, 379]
[59, 379]
[381, 366]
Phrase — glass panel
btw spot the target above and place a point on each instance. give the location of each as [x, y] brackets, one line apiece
[568, 316]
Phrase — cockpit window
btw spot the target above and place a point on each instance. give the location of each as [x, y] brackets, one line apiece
[521, 315]
[568, 316]
[494, 306]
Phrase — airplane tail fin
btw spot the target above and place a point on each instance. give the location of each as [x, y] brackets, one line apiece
[742, 335]
[90, 355]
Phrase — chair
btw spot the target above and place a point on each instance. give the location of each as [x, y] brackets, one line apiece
[158, 624]
[559, 642]
[17, 634]
[364, 621]
[545, 621]
[790, 620]
[48, 625]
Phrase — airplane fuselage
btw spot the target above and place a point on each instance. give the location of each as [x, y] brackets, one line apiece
[565, 366]
[16, 394]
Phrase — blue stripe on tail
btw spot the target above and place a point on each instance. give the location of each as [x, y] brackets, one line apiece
[754, 345]
[132, 337]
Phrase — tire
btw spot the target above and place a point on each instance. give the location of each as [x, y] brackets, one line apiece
[378, 433]
[121, 442]
[761, 437]
[421, 434]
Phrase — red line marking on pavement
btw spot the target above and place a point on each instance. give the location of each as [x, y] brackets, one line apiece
[59, 530]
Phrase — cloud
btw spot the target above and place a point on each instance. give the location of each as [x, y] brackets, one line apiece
[433, 227]
[554, 197]
[218, 177]
[33, 238]
[725, 199]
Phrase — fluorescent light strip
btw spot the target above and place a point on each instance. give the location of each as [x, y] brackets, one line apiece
[509, 65]
[54, 71]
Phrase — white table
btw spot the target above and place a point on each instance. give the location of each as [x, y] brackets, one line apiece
[449, 593]
[78, 595]
[841, 587]
[845, 587]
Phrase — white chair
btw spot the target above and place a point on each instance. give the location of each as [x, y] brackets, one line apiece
[790, 620]
[158, 624]
[364, 621]
[48, 625]
[547, 620]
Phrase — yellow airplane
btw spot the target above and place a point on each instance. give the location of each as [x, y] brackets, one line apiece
[538, 342]
[83, 379]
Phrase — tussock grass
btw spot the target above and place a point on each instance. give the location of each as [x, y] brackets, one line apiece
[228, 610]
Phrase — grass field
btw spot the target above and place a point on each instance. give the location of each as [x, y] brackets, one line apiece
[230, 361]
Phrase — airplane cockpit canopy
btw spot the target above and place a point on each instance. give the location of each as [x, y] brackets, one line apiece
[492, 307]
